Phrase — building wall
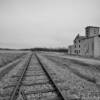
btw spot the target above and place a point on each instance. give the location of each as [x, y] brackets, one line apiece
[77, 44]
[87, 47]
[71, 49]
[97, 46]
[92, 31]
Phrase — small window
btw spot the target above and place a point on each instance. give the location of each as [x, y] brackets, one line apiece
[75, 46]
[79, 41]
[79, 51]
[79, 46]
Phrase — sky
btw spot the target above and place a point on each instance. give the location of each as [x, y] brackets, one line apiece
[45, 23]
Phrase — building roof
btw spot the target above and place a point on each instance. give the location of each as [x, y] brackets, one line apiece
[79, 37]
[92, 27]
[84, 37]
[90, 37]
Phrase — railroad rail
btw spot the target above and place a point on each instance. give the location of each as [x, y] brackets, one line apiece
[17, 88]
[52, 81]
[35, 82]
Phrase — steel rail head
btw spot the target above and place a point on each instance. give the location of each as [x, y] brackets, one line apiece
[60, 94]
[17, 88]
[23, 95]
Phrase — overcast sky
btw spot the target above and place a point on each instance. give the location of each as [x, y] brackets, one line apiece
[45, 23]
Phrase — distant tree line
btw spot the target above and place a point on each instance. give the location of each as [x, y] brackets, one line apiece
[8, 49]
[48, 49]
[65, 50]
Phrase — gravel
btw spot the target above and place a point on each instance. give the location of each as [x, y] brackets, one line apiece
[77, 86]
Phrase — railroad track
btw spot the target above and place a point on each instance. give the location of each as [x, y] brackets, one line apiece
[35, 82]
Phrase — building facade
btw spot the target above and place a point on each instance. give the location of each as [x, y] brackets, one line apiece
[71, 49]
[88, 45]
[92, 31]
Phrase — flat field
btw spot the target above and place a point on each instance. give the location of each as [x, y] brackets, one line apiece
[81, 75]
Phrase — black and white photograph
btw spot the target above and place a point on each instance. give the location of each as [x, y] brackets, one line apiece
[49, 49]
